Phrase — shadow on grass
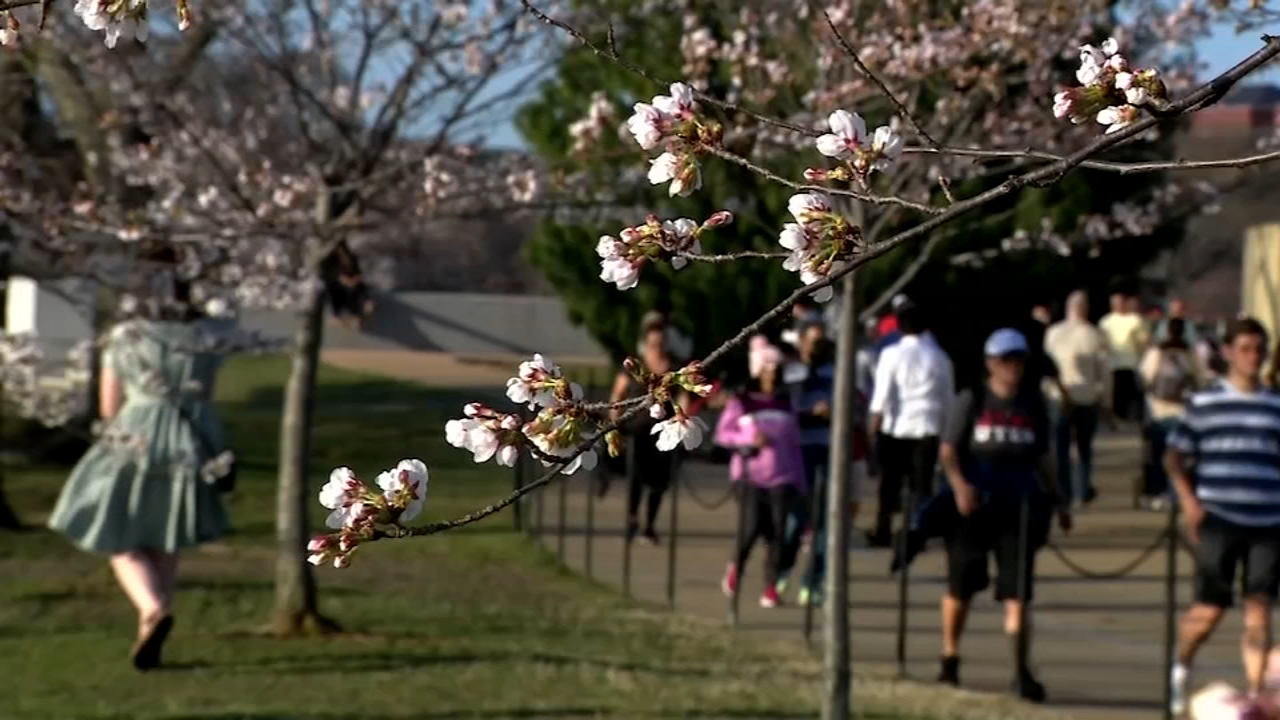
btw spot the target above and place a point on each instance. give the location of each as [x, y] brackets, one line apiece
[399, 660]
[522, 712]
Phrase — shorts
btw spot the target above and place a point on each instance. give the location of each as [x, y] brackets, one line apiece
[993, 531]
[1223, 546]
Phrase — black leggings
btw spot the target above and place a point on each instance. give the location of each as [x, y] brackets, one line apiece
[764, 515]
[647, 468]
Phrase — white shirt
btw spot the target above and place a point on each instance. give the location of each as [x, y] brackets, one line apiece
[913, 388]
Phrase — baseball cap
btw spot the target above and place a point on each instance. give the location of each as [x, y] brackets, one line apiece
[1005, 341]
[899, 301]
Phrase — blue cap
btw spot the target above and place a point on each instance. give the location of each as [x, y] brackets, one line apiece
[1005, 341]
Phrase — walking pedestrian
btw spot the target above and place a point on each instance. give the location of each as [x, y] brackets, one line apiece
[1080, 397]
[811, 385]
[1170, 372]
[767, 467]
[995, 456]
[1224, 463]
[148, 488]
[914, 387]
[650, 470]
[1127, 337]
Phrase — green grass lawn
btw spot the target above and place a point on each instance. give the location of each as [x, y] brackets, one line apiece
[472, 624]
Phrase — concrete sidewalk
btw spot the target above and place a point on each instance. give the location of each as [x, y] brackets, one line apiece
[1098, 645]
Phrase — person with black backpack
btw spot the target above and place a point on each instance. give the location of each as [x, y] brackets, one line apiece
[1170, 373]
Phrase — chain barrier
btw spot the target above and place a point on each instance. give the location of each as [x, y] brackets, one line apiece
[708, 506]
[1145, 554]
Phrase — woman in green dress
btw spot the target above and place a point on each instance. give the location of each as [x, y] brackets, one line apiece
[145, 490]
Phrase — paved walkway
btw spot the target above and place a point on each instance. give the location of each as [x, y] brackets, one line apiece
[1098, 645]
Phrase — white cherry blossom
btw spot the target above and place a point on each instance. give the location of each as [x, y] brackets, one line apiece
[406, 482]
[679, 430]
[848, 134]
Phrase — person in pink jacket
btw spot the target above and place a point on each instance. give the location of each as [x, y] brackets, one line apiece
[767, 466]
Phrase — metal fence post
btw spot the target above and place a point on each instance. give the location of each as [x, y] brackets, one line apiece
[908, 512]
[739, 537]
[590, 538]
[561, 515]
[518, 507]
[632, 479]
[1170, 604]
[673, 532]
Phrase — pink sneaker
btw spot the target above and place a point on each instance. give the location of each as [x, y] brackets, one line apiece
[729, 583]
[769, 598]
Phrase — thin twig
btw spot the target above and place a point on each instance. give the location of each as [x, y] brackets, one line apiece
[730, 257]
[804, 187]
[1123, 168]
[884, 89]
[611, 53]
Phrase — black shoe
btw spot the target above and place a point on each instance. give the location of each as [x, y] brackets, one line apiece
[633, 529]
[950, 672]
[1090, 495]
[1028, 688]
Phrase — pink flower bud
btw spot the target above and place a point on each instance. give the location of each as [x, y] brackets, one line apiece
[319, 544]
[815, 174]
[472, 409]
[347, 542]
[341, 561]
[718, 218]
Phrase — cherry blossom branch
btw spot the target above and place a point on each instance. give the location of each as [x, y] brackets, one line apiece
[806, 187]
[1039, 177]
[730, 257]
[1122, 168]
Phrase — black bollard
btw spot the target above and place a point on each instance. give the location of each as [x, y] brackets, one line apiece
[1170, 604]
[561, 516]
[518, 507]
[538, 511]
[632, 479]
[739, 536]
[908, 512]
[673, 531]
[817, 514]
[589, 544]
[1024, 580]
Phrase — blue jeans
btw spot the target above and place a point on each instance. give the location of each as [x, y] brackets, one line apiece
[811, 511]
[1155, 481]
[1078, 425]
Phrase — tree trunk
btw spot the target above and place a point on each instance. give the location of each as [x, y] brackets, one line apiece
[835, 652]
[296, 611]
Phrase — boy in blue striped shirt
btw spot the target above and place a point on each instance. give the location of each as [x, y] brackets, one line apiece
[1224, 461]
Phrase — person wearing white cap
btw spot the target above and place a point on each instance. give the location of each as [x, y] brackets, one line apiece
[995, 455]
[913, 389]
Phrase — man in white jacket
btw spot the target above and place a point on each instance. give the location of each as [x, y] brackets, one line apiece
[913, 391]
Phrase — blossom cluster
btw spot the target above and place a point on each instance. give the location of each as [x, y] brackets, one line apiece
[557, 432]
[622, 257]
[1110, 91]
[820, 241]
[672, 121]
[675, 428]
[859, 153]
[358, 511]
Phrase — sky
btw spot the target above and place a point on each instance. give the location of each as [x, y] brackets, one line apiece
[1222, 50]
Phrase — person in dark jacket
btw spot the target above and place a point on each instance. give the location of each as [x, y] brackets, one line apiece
[995, 453]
